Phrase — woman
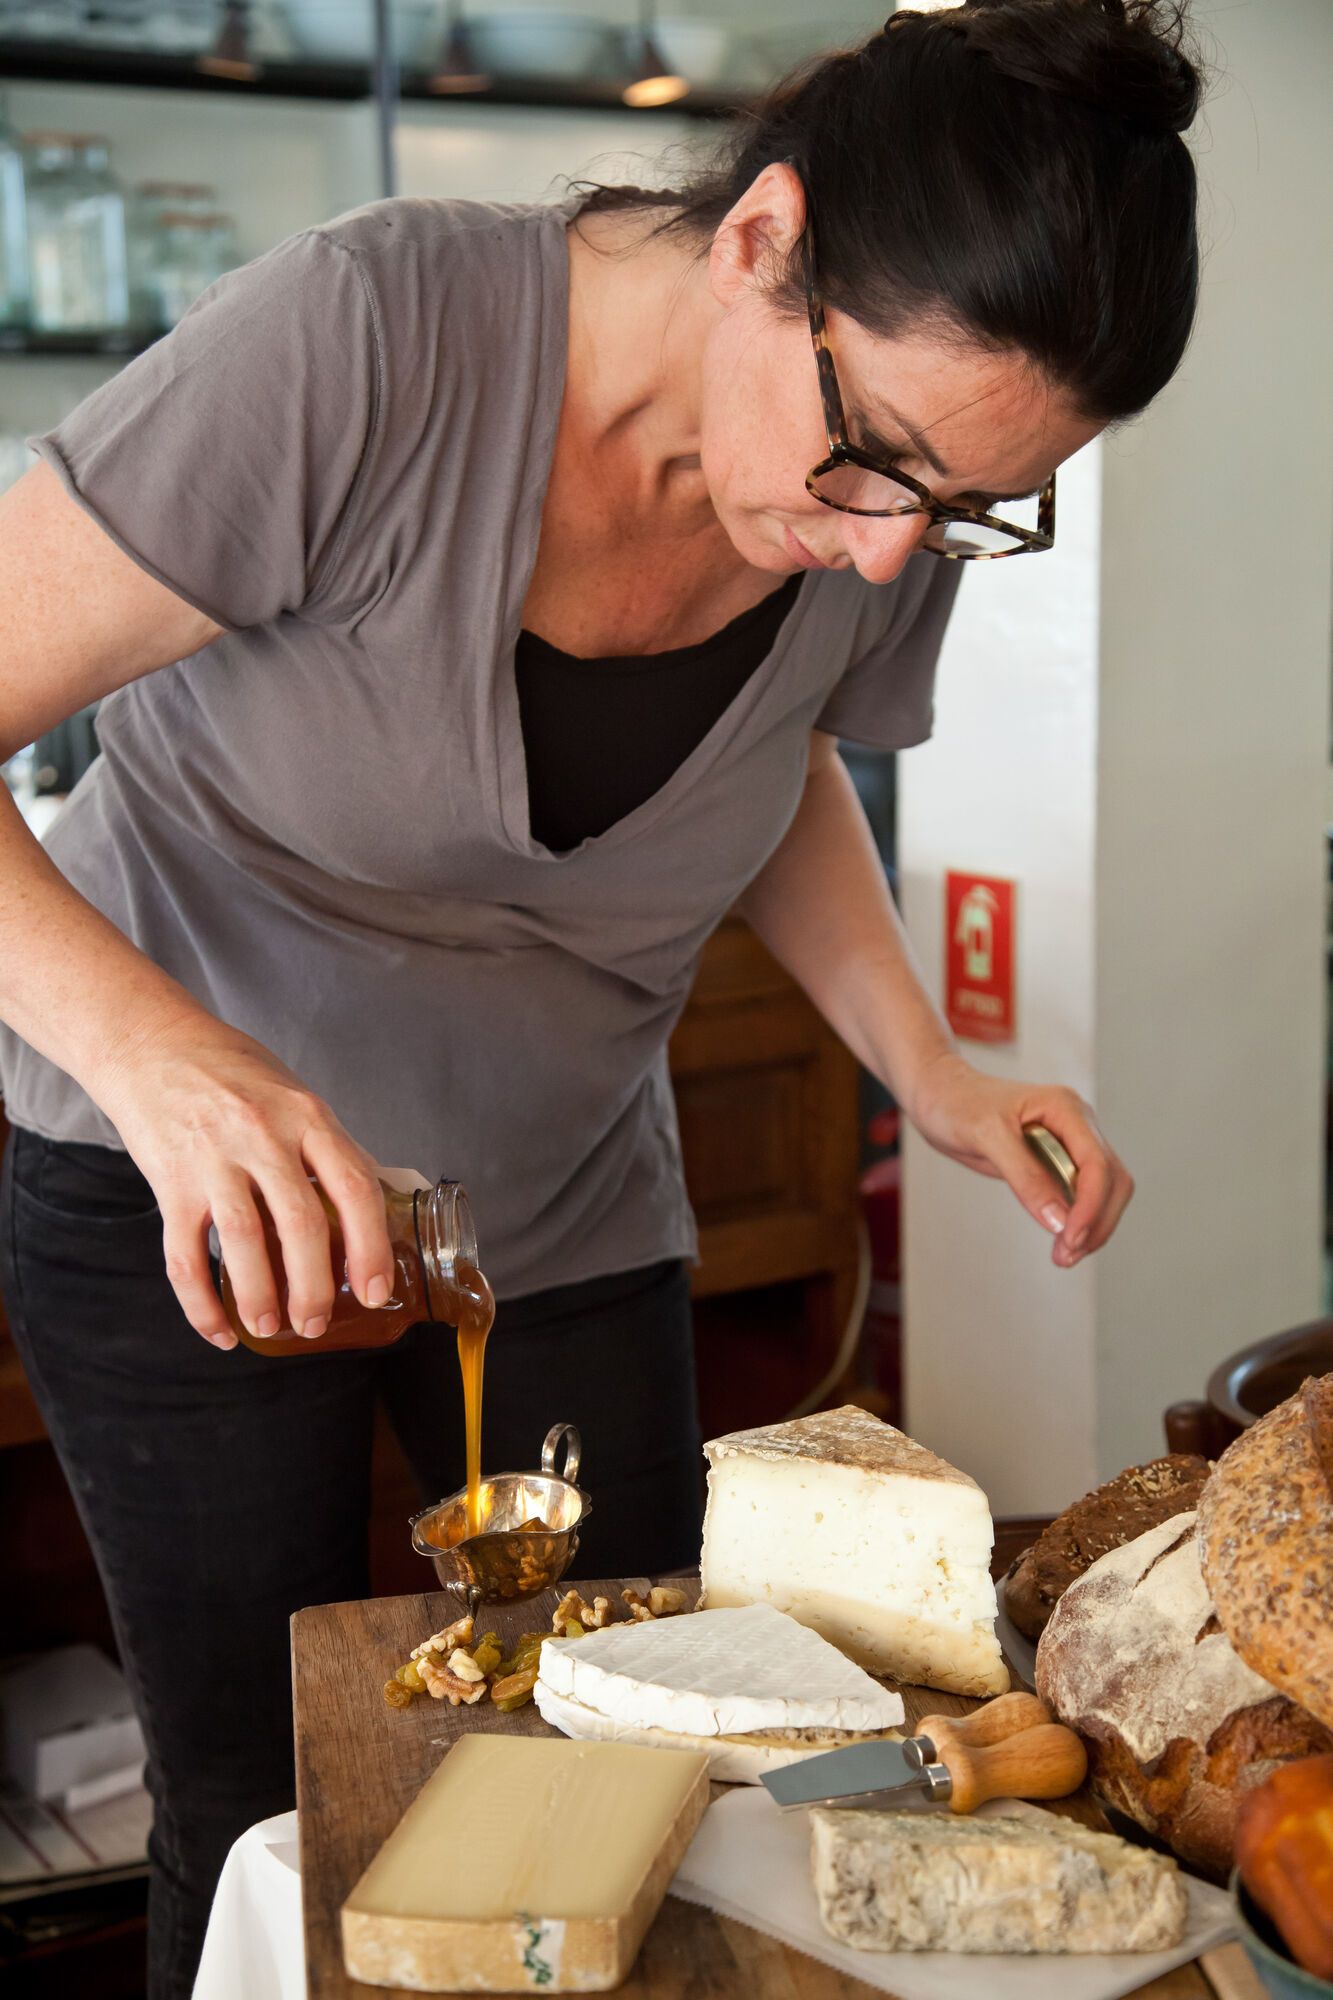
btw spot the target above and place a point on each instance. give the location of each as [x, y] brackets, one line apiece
[481, 593]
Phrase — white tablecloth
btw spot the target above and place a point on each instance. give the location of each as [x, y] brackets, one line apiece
[747, 1860]
[255, 1945]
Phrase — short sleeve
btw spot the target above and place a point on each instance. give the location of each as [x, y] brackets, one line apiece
[886, 698]
[225, 459]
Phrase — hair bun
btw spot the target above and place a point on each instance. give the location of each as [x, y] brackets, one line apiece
[1125, 57]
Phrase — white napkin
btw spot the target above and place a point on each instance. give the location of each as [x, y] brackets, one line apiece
[255, 1944]
[751, 1861]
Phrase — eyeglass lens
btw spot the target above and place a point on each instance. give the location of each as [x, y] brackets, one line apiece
[857, 489]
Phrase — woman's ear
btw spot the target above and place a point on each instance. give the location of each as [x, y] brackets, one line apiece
[756, 237]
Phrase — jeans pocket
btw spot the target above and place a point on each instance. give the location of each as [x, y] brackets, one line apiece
[92, 1186]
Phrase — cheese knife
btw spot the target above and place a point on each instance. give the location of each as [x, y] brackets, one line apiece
[1009, 1749]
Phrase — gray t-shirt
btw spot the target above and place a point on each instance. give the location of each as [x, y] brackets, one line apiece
[319, 823]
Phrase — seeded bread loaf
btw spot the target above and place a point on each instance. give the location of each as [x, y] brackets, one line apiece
[1266, 1540]
[1118, 1512]
[1176, 1724]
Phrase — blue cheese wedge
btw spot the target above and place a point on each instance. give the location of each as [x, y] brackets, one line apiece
[896, 1881]
[718, 1673]
[863, 1535]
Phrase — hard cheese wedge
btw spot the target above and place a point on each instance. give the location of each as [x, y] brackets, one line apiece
[525, 1864]
[865, 1536]
[718, 1673]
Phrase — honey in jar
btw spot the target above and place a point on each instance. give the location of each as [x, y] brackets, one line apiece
[435, 1276]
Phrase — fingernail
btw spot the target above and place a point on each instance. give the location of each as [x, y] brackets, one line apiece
[313, 1328]
[268, 1326]
[1054, 1217]
[225, 1341]
[1079, 1238]
[377, 1292]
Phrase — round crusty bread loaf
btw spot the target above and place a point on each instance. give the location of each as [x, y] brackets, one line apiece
[1266, 1539]
[1175, 1723]
[1120, 1511]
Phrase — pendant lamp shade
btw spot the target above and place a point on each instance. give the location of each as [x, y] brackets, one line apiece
[652, 81]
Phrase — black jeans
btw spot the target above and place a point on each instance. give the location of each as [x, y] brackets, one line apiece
[223, 1491]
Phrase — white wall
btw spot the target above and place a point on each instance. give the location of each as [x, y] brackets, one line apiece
[1006, 788]
[1149, 759]
[1214, 734]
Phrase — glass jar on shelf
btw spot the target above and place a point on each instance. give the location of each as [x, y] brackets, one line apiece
[190, 253]
[78, 247]
[150, 202]
[13, 233]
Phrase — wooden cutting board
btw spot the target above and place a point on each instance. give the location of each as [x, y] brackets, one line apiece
[359, 1764]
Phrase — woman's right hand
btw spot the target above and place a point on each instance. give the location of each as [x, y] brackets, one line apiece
[215, 1123]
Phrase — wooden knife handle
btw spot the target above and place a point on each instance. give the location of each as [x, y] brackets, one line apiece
[991, 1723]
[1042, 1763]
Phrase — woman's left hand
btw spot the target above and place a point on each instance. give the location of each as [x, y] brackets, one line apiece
[978, 1120]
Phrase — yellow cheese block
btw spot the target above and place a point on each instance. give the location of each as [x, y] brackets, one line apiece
[525, 1865]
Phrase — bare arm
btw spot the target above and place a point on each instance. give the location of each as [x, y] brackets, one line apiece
[823, 908]
[207, 1113]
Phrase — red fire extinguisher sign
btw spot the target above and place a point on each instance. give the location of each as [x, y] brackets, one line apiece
[979, 957]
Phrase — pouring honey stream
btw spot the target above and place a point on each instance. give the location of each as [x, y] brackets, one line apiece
[436, 1277]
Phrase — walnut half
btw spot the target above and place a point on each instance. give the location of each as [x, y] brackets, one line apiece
[662, 1601]
[444, 1684]
[591, 1616]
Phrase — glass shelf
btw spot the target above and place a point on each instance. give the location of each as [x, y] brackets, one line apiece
[73, 346]
[41, 62]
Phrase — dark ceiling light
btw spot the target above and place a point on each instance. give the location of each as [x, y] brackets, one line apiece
[230, 54]
[456, 75]
[651, 80]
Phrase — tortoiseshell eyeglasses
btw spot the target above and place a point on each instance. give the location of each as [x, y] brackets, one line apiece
[856, 481]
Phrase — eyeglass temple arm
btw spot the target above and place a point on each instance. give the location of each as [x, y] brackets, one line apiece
[835, 420]
[1046, 510]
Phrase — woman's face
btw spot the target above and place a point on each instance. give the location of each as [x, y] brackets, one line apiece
[974, 427]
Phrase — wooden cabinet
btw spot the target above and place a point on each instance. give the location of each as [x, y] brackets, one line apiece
[767, 1100]
[768, 1104]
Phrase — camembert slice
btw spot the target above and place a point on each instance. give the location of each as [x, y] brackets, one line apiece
[732, 1760]
[718, 1673]
[862, 1534]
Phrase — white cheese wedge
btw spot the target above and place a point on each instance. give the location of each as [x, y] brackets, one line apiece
[893, 1881]
[524, 1864]
[718, 1673]
[732, 1760]
[863, 1535]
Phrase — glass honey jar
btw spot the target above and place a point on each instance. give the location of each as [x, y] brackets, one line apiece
[436, 1277]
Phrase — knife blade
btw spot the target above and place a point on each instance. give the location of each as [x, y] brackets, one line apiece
[861, 1770]
[1008, 1749]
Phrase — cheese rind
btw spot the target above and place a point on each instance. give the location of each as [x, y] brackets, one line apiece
[718, 1673]
[934, 1881]
[732, 1760]
[863, 1535]
[525, 1863]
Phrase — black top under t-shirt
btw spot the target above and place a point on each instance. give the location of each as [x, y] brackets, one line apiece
[601, 736]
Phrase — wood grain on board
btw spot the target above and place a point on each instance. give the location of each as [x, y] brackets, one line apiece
[359, 1764]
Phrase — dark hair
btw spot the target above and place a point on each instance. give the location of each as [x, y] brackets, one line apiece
[1010, 169]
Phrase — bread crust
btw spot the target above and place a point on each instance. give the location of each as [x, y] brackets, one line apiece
[1112, 1514]
[1177, 1727]
[1266, 1539]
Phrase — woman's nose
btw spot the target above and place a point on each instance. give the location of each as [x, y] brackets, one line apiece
[879, 548]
